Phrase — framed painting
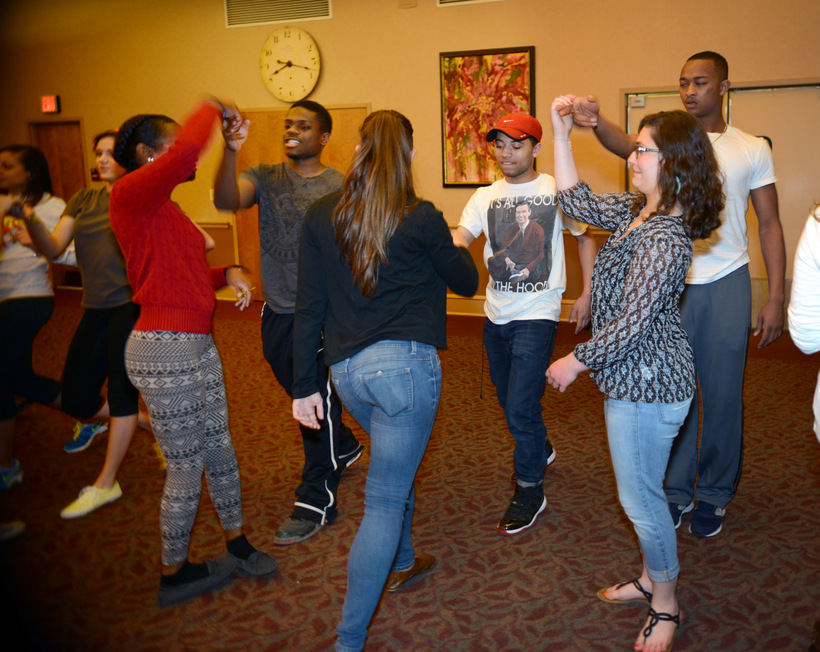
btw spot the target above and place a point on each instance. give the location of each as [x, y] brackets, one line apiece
[478, 88]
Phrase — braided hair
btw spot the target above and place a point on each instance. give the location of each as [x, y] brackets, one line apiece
[148, 129]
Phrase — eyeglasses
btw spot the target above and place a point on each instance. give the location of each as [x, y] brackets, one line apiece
[640, 149]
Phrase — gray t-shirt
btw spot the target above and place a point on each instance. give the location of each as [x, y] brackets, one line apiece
[105, 283]
[284, 197]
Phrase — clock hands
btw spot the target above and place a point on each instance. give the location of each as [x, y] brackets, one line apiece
[289, 64]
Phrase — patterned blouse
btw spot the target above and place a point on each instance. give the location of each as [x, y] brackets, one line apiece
[638, 351]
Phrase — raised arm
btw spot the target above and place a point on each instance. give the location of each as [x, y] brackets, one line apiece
[230, 192]
[586, 113]
[771, 318]
[566, 174]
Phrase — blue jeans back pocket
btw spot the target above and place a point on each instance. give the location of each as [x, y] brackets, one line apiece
[391, 390]
[673, 414]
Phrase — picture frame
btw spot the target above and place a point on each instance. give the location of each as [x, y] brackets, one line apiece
[479, 87]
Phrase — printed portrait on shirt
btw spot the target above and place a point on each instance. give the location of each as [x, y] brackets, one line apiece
[521, 240]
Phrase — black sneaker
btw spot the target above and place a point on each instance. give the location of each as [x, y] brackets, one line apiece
[550, 459]
[346, 460]
[707, 520]
[677, 512]
[219, 571]
[295, 530]
[526, 505]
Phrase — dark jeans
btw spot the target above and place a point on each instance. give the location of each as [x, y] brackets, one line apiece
[519, 353]
[326, 448]
[20, 321]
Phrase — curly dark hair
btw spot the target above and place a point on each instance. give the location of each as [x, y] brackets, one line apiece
[34, 162]
[689, 174]
[148, 129]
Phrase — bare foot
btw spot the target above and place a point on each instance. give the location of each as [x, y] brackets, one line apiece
[662, 629]
[631, 591]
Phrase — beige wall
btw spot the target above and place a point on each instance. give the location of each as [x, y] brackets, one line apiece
[109, 60]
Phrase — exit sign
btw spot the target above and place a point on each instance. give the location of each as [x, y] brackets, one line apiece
[50, 103]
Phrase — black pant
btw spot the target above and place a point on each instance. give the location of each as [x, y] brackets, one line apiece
[20, 321]
[326, 448]
[97, 352]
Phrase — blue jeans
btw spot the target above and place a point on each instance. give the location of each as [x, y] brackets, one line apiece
[518, 354]
[640, 438]
[392, 389]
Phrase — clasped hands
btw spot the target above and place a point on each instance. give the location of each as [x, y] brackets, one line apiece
[234, 128]
[583, 111]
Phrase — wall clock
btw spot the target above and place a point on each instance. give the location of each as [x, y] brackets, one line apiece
[290, 63]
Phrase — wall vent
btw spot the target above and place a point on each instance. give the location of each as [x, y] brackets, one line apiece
[244, 13]
[455, 3]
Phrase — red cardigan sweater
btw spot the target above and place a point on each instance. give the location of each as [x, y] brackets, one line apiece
[164, 252]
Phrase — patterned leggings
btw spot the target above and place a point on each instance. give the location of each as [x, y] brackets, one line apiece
[180, 378]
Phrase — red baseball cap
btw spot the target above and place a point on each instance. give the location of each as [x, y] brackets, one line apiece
[517, 126]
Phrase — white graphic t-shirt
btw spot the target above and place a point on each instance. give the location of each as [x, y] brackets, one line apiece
[524, 252]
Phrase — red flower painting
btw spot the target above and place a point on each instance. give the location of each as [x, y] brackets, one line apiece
[477, 89]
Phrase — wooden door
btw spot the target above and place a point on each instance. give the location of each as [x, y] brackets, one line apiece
[62, 145]
[264, 145]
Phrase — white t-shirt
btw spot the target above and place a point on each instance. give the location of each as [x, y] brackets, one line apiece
[746, 163]
[804, 307]
[22, 272]
[527, 269]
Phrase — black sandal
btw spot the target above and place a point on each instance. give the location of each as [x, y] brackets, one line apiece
[657, 616]
[647, 596]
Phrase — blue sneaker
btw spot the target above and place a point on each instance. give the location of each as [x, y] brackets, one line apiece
[84, 433]
[707, 520]
[677, 512]
[10, 475]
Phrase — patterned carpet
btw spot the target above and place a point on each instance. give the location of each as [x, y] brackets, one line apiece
[90, 584]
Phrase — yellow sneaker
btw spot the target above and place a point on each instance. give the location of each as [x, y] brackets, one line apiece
[91, 498]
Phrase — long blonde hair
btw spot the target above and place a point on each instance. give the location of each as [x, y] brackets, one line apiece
[377, 191]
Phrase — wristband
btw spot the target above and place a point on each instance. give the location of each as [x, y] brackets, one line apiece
[222, 107]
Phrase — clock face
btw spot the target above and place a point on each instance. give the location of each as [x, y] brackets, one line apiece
[290, 63]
